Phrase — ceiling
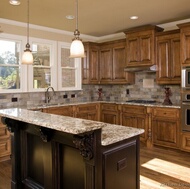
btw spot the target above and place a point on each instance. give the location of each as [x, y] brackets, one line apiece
[97, 17]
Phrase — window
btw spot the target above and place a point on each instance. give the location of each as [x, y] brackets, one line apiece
[42, 73]
[69, 77]
[62, 75]
[11, 71]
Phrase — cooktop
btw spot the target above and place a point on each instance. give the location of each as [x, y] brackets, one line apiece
[142, 101]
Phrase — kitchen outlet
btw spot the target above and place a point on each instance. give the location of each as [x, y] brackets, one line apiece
[65, 96]
[14, 99]
[73, 96]
[127, 91]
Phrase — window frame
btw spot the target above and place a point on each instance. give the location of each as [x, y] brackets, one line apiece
[23, 68]
[53, 65]
[78, 78]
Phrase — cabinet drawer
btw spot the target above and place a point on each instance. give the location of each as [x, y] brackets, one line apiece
[134, 109]
[166, 113]
[86, 108]
[64, 110]
[110, 107]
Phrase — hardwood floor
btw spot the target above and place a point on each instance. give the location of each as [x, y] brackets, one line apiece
[164, 169]
[161, 168]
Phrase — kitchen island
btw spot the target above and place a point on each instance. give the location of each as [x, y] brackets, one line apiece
[59, 152]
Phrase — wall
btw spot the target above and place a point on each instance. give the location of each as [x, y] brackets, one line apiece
[90, 93]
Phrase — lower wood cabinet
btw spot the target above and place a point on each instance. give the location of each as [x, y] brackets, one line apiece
[61, 110]
[136, 116]
[87, 111]
[110, 113]
[165, 126]
[5, 143]
[185, 141]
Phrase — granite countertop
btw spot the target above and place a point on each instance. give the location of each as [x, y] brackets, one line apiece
[157, 104]
[110, 133]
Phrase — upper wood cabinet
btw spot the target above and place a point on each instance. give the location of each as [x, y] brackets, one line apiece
[185, 43]
[168, 57]
[140, 44]
[113, 62]
[90, 64]
[105, 63]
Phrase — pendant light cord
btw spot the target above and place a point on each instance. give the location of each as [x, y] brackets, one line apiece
[76, 14]
[28, 23]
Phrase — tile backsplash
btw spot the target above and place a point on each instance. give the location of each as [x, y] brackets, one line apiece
[145, 87]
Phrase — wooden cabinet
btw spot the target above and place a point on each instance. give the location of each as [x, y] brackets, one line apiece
[136, 116]
[185, 141]
[113, 62]
[168, 57]
[109, 113]
[5, 143]
[105, 63]
[61, 110]
[165, 126]
[90, 64]
[87, 111]
[185, 43]
[140, 44]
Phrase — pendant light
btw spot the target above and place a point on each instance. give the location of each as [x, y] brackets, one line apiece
[27, 57]
[77, 48]
[14, 2]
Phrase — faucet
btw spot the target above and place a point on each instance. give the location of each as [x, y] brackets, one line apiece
[47, 95]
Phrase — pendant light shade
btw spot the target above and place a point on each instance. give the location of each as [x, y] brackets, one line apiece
[27, 57]
[77, 48]
[14, 2]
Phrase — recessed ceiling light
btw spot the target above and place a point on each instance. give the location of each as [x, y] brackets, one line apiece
[70, 17]
[134, 17]
[14, 2]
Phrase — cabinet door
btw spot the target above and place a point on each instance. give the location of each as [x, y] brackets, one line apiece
[165, 133]
[185, 46]
[106, 65]
[85, 67]
[168, 58]
[110, 117]
[119, 63]
[163, 60]
[94, 65]
[175, 59]
[146, 49]
[185, 141]
[128, 120]
[133, 54]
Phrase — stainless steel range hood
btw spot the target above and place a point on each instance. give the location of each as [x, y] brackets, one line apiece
[141, 69]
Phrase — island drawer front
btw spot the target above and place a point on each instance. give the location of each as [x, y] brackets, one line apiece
[134, 109]
[165, 113]
[110, 107]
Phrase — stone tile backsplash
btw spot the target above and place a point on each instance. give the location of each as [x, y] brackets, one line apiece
[90, 93]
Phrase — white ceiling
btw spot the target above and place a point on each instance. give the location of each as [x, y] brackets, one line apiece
[97, 17]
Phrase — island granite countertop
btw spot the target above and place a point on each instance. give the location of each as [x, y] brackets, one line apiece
[110, 133]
